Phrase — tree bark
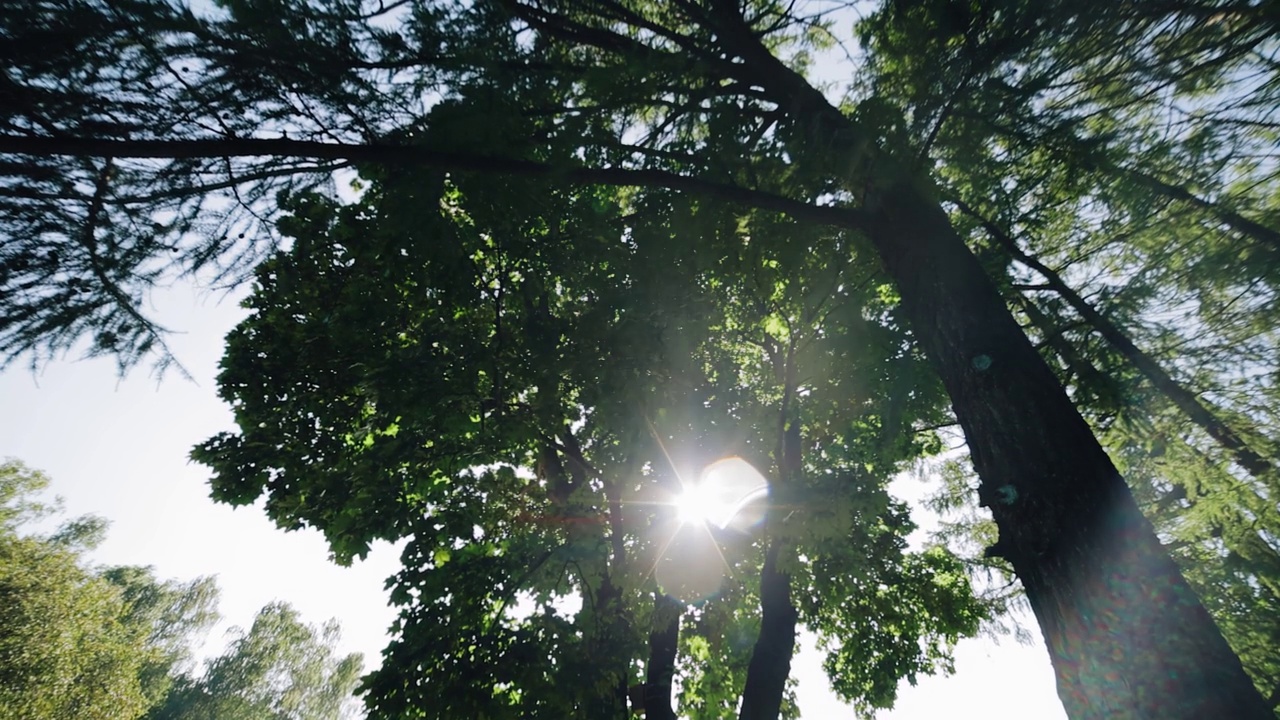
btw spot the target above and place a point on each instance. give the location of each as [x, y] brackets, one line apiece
[771, 657]
[664, 640]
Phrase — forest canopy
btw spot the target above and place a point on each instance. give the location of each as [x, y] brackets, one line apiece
[522, 269]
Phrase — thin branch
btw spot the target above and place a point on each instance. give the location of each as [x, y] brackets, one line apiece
[849, 218]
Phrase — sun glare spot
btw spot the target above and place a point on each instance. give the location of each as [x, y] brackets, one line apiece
[692, 506]
[728, 495]
[725, 488]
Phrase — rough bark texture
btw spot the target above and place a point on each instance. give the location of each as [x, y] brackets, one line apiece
[659, 671]
[1127, 636]
[771, 657]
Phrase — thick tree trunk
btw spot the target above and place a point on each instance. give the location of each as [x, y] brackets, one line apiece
[663, 642]
[771, 657]
[1127, 636]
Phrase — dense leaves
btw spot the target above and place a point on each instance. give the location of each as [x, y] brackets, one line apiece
[71, 644]
[82, 641]
[280, 668]
[503, 389]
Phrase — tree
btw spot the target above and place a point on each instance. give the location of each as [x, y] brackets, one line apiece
[563, 92]
[280, 668]
[517, 442]
[169, 615]
[64, 649]
[79, 641]
[1151, 299]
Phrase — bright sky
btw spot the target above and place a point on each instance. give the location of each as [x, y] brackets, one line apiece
[119, 449]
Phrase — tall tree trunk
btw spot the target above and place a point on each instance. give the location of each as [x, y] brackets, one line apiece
[1127, 636]
[1184, 399]
[770, 664]
[664, 640]
[771, 657]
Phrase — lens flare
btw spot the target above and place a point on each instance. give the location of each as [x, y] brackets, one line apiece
[693, 505]
[724, 489]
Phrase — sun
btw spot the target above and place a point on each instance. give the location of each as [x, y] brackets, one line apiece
[722, 492]
[693, 505]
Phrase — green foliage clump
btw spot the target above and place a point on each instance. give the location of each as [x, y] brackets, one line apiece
[77, 641]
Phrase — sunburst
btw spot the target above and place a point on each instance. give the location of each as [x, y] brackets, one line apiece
[723, 489]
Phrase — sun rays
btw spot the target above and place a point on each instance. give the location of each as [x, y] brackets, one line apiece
[723, 497]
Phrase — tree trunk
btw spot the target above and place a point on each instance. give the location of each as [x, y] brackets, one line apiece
[1127, 636]
[770, 664]
[771, 657]
[606, 694]
[663, 642]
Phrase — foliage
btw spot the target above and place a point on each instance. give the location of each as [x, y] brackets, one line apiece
[80, 641]
[65, 648]
[171, 613]
[1123, 198]
[483, 338]
[280, 668]
[491, 384]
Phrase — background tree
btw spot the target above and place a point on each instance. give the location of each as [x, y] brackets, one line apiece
[280, 668]
[171, 614]
[65, 650]
[81, 641]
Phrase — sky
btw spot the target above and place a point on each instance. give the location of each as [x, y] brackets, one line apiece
[118, 448]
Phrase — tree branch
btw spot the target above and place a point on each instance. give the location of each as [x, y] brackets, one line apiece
[1183, 398]
[849, 218]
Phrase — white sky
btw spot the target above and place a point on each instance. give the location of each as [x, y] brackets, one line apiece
[119, 449]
